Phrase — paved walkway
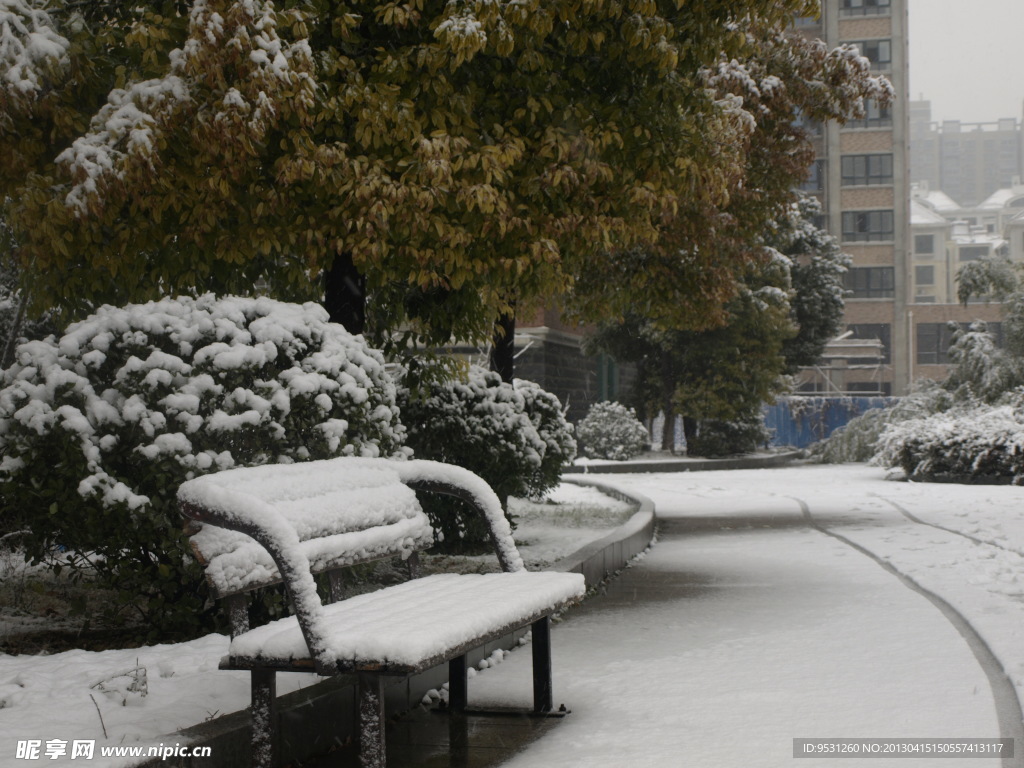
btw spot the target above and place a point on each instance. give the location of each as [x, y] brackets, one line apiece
[743, 629]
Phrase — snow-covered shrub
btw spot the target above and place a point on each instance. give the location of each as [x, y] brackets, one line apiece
[975, 443]
[978, 368]
[514, 436]
[858, 439]
[98, 428]
[547, 415]
[729, 438]
[612, 431]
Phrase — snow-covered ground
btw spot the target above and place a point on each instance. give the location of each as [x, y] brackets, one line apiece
[754, 621]
[761, 616]
[143, 696]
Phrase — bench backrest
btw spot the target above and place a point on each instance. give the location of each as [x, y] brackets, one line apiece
[346, 513]
[286, 522]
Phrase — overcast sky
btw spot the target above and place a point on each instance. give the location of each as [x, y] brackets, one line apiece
[967, 58]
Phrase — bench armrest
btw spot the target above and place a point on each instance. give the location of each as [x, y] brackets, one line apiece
[260, 521]
[436, 477]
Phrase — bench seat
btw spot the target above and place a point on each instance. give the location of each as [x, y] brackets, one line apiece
[412, 626]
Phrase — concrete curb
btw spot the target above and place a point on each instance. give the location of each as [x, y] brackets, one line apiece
[319, 717]
[684, 465]
[599, 559]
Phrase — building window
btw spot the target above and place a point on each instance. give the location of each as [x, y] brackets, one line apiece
[878, 52]
[880, 331]
[924, 245]
[934, 339]
[815, 178]
[863, 7]
[871, 282]
[924, 275]
[865, 170]
[868, 226]
[608, 378]
[875, 116]
[973, 252]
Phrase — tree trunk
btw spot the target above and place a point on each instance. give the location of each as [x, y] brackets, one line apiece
[668, 390]
[690, 433]
[12, 337]
[668, 429]
[345, 294]
[503, 347]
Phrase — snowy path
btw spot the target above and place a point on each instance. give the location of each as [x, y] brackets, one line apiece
[744, 628]
[747, 627]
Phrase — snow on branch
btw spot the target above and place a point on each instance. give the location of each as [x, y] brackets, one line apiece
[231, 78]
[31, 48]
[123, 127]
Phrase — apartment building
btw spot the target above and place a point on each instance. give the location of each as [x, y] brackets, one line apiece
[967, 161]
[862, 178]
[945, 237]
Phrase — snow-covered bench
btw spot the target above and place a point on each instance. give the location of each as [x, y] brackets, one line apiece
[288, 522]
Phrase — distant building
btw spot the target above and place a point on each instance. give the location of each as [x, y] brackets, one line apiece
[967, 161]
[945, 237]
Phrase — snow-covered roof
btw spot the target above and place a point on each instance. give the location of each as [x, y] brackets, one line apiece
[994, 241]
[923, 216]
[939, 201]
[1001, 198]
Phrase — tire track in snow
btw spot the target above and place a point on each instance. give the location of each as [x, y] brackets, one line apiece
[1008, 707]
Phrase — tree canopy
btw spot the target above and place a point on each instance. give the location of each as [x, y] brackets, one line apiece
[785, 310]
[463, 155]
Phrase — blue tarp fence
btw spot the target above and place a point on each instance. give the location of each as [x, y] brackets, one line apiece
[800, 421]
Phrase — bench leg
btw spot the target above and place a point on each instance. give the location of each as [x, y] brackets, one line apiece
[458, 684]
[237, 608]
[372, 753]
[264, 718]
[541, 644]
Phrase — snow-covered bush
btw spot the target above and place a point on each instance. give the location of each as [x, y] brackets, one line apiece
[514, 436]
[729, 438]
[975, 443]
[858, 439]
[612, 431]
[98, 428]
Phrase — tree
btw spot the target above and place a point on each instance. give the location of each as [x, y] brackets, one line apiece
[979, 369]
[816, 270]
[685, 280]
[722, 356]
[451, 159]
[719, 374]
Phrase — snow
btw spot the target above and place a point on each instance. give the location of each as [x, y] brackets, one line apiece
[30, 46]
[337, 511]
[124, 135]
[766, 629]
[346, 510]
[52, 697]
[419, 620]
[172, 387]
